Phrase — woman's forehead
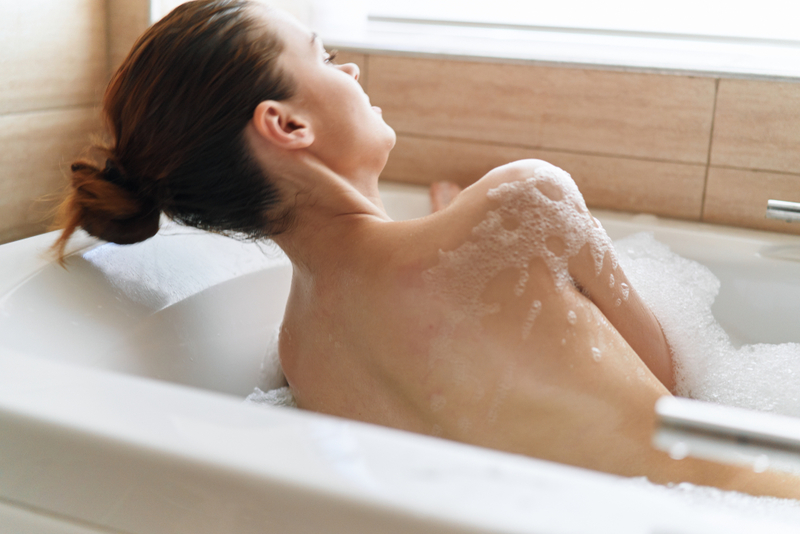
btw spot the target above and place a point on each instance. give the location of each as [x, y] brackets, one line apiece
[292, 32]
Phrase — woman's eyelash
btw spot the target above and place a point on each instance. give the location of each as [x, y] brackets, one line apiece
[331, 56]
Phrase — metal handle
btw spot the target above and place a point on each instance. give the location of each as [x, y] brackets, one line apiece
[783, 210]
[725, 434]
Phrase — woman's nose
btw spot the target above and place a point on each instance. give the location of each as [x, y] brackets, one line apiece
[351, 69]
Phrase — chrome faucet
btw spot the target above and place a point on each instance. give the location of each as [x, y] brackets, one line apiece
[783, 210]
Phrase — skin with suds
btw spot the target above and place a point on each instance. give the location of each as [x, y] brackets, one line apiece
[502, 320]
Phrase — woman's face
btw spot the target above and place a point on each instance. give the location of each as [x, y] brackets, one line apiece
[350, 135]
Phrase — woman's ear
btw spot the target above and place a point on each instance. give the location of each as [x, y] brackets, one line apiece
[277, 123]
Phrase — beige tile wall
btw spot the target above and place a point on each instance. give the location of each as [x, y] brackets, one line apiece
[755, 153]
[672, 189]
[688, 147]
[757, 126]
[590, 111]
[52, 54]
[37, 149]
[53, 69]
[127, 20]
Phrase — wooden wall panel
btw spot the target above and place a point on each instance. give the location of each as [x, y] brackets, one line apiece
[739, 197]
[757, 126]
[592, 111]
[127, 20]
[668, 189]
[37, 150]
[52, 54]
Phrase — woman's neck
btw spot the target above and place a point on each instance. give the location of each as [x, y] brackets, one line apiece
[328, 212]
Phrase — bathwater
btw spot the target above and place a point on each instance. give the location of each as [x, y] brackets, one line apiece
[709, 365]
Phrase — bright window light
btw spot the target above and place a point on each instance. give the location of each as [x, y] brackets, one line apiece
[769, 20]
[731, 37]
[763, 20]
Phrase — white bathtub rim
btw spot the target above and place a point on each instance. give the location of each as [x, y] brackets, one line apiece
[424, 479]
[22, 259]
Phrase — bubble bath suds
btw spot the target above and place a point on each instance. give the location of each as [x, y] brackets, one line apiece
[541, 217]
[709, 367]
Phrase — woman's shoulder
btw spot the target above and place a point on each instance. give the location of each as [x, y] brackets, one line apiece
[525, 181]
[513, 183]
[525, 170]
[514, 171]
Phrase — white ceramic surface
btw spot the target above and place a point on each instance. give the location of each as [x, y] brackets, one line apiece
[121, 382]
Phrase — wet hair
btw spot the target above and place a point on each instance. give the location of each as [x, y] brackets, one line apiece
[176, 111]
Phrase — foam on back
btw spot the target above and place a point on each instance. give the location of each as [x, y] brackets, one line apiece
[542, 217]
[680, 292]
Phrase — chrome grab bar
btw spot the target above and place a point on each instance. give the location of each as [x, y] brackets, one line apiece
[783, 210]
[725, 434]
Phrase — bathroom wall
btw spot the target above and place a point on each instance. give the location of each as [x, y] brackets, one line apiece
[690, 147]
[55, 58]
[52, 69]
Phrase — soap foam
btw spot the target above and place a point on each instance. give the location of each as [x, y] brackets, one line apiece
[572, 317]
[708, 366]
[543, 217]
[772, 510]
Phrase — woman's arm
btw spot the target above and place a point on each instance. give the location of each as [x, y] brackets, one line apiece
[612, 293]
[609, 290]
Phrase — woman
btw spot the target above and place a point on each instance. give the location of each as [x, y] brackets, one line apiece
[502, 320]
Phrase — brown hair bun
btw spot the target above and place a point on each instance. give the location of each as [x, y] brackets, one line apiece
[176, 112]
[106, 205]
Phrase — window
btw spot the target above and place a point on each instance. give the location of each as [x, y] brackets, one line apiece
[770, 20]
[729, 37]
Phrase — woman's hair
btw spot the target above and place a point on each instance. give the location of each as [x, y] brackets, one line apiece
[177, 109]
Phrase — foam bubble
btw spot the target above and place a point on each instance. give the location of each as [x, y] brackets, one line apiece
[550, 223]
[572, 317]
[708, 366]
[761, 463]
[519, 289]
[596, 354]
[533, 312]
[553, 224]
[679, 450]
[773, 514]
[625, 290]
[542, 219]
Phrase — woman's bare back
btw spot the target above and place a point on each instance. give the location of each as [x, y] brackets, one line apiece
[499, 321]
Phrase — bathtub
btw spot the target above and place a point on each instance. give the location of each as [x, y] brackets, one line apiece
[122, 379]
